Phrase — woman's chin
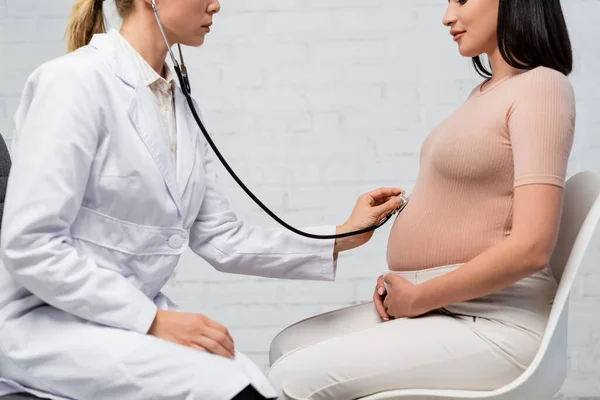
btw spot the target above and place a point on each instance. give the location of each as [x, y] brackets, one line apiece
[466, 52]
[196, 41]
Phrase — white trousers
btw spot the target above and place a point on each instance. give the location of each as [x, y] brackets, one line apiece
[477, 345]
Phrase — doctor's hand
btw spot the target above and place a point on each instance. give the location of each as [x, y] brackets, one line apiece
[193, 330]
[370, 209]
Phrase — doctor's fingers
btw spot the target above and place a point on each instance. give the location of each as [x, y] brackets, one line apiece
[383, 194]
[204, 350]
[383, 200]
[215, 342]
[390, 205]
[219, 327]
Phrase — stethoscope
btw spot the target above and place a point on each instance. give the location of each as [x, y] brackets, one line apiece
[182, 76]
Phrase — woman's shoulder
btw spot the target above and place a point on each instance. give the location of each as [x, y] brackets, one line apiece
[543, 81]
[545, 91]
[539, 81]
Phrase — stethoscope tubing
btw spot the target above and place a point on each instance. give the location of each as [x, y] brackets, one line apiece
[183, 78]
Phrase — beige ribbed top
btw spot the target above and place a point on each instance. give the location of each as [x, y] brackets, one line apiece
[517, 131]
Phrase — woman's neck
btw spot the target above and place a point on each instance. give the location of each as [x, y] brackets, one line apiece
[142, 32]
[500, 68]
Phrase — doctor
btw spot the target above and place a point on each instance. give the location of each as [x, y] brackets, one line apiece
[110, 183]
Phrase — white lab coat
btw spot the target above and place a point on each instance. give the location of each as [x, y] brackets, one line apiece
[96, 218]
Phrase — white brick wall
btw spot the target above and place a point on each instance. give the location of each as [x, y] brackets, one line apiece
[314, 102]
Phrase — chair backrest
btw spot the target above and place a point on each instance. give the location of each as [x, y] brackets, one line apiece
[580, 217]
[5, 165]
[581, 193]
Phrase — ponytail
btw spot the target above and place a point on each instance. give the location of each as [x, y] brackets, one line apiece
[87, 19]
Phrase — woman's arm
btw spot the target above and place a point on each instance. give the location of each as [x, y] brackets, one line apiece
[537, 211]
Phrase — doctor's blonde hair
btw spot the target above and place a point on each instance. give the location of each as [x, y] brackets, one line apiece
[87, 19]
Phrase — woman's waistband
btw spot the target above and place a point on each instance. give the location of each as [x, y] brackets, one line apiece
[423, 275]
[526, 302]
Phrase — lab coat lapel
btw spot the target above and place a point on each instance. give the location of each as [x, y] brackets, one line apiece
[187, 137]
[143, 111]
[144, 115]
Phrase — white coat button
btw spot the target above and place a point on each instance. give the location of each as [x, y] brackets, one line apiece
[175, 241]
[147, 290]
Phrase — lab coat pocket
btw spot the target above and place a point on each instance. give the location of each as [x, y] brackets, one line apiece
[114, 163]
[125, 189]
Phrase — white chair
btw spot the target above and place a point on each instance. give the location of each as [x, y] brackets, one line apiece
[546, 374]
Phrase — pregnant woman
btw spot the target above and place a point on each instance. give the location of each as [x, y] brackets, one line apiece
[468, 293]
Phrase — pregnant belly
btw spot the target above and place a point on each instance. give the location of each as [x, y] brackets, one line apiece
[418, 243]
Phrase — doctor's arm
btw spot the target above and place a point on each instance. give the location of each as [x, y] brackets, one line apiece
[225, 241]
[58, 128]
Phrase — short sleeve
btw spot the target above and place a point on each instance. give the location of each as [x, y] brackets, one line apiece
[541, 125]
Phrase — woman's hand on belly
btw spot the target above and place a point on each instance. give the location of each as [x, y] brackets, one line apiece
[401, 300]
[193, 330]
[378, 298]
